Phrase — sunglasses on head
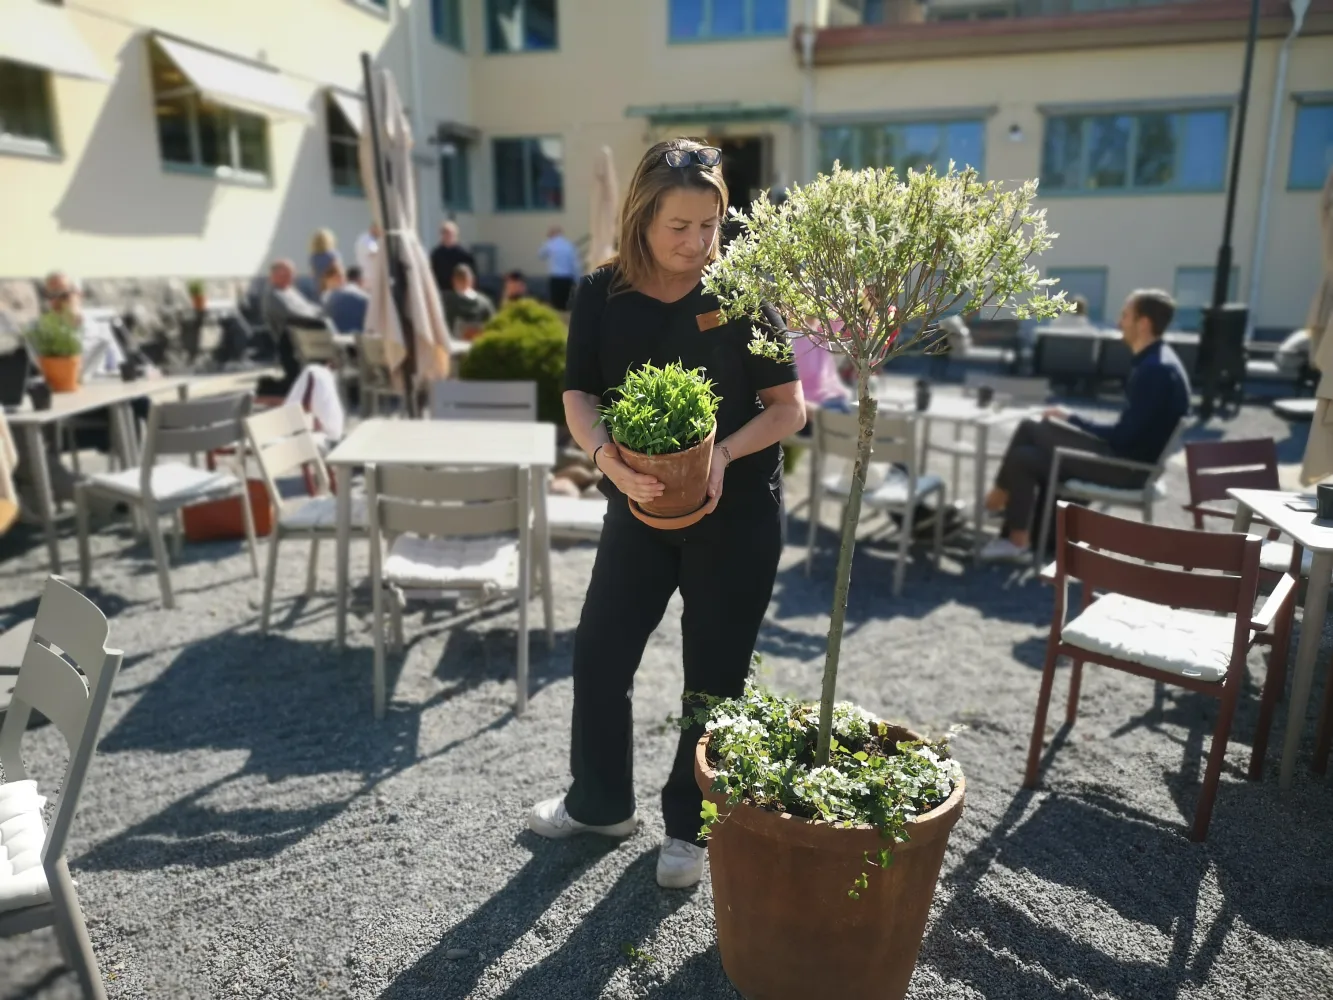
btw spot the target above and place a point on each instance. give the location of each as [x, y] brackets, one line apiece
[708, 156]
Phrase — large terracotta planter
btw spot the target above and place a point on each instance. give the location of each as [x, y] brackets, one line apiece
[786, 928]
[684, 474]
[61, 374]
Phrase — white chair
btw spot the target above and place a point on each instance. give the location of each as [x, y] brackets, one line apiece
[896, 484]
[455, 531]
[184, 428]
[483, 400]
[72, 691]
[282, 442]
[1141, 498]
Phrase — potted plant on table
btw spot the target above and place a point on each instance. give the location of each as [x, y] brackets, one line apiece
[803, 802]
[663, 421]
[198, 299]
[56, 342]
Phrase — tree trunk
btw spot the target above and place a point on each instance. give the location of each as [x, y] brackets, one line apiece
[838, 617]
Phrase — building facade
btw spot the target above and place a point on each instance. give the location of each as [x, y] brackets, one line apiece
[211, 139]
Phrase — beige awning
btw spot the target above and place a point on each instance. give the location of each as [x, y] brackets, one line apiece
[234, 83]
[40, 35]
[351, 106]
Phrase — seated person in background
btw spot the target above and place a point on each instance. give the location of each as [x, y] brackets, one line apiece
[284, 308]
[818, 368]
[344, 302]
[1158, 394]
[64, 296]
[515, 287]
[465, 308]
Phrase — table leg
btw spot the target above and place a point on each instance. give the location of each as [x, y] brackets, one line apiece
[41, 475]
[1241, 522]
[341, 547]
[1312, 627]
[979, 487]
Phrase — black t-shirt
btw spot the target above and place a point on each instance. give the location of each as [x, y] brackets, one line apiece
[444, 259]
[611, 336]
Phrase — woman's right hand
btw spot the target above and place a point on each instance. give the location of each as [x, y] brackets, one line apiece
[638, 487]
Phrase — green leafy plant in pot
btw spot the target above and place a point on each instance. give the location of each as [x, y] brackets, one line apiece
[827, 826]
[663, 421]
[198, 299]
[59, 348]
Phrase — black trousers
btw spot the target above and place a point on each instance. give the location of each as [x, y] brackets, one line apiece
[1026, 467]
[560, 289]
[724, 568]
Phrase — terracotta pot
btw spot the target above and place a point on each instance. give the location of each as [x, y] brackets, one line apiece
[61, 374]
[199, 302]
[683, 473]
[786, 927]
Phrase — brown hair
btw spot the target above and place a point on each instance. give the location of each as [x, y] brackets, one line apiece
[652, 179]
[1154, 305]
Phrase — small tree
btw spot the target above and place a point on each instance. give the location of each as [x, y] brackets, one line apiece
[887, 257]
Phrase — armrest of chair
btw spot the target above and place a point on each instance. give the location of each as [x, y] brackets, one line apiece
[1281, 595]
[1110, 460]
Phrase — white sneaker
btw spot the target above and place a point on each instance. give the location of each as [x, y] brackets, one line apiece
[680, 864]
[1003, 550]
[550, 819]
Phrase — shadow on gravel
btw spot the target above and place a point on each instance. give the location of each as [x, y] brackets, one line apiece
[475, 656]
[700, 976]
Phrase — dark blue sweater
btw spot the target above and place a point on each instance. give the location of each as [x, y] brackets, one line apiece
[1159, 395]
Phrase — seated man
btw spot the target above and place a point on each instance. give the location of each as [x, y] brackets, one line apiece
[285, 307]
[465, 308]
[1158, 394]
[344, 301]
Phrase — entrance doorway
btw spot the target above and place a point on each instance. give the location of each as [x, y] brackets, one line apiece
[743, 169]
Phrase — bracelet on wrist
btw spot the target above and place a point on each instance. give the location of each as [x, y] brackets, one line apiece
[726, 452]
[595, 452]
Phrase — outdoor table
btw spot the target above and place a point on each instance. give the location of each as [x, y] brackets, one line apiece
[962, 411]
[431, 443]
[1307, 532]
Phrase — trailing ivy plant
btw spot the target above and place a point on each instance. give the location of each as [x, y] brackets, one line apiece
[657, 411]
[888, 256]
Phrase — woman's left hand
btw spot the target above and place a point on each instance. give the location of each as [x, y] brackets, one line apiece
[715, 474]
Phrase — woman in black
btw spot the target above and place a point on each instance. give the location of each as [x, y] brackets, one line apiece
[648, 306]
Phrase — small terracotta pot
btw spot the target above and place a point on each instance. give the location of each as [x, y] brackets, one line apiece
[61, 374]
[199, 302]
[684, 474]
[786, 928]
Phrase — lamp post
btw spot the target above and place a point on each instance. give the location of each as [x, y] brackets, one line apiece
[1211, 348]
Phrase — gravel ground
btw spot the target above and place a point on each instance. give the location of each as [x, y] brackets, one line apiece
[249, 831]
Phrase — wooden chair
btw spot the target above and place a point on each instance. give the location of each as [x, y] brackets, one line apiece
[890, 489]
[452, 531]
[483, 400]
[282, 443]
[1143, 498]
[72, 691]
[1145, 619]
[185, 428]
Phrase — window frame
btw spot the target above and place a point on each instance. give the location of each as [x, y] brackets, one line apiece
[1325, 105]
[437, 7]
[376, 8]
[33, 146]
[748, 35]
[331, 108]
[464, 149]
[1095, 315]
[1130, 189]
[896, 123]
[528, 207]
[488, 7]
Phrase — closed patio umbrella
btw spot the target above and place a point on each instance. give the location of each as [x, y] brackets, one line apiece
[604, 214]
[403, 296]
[1319, 448]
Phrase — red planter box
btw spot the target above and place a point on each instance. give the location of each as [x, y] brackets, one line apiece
[224, 520]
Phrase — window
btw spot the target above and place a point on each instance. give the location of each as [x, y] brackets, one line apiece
[194, 133]
[1311, 147]
[455, 176]
[1089, 282]
[1150, 151]
[903, 145]
[344, 143]
[27, 114]
[529, 174]
[1194, 293]
[690, 20]
[520, 25]
[446, 21]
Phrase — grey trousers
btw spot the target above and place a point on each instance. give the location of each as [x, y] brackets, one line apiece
[1026, 467]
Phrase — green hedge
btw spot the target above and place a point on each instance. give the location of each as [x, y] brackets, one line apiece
[524, 342]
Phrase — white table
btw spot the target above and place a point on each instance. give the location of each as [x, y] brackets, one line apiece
[434, 443]
[1306, 532]
[962, 411]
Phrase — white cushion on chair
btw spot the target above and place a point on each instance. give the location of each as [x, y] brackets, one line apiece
[171, 481]
[893, 491]
[316, 513]
[1110, 494]
[1187, 643]
[487, 562]
[1275, 555]
[22, 834]
[575, 517]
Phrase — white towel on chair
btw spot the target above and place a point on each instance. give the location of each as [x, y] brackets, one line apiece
[325, 405]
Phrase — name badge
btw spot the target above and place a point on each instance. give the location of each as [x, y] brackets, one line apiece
[709, 320]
